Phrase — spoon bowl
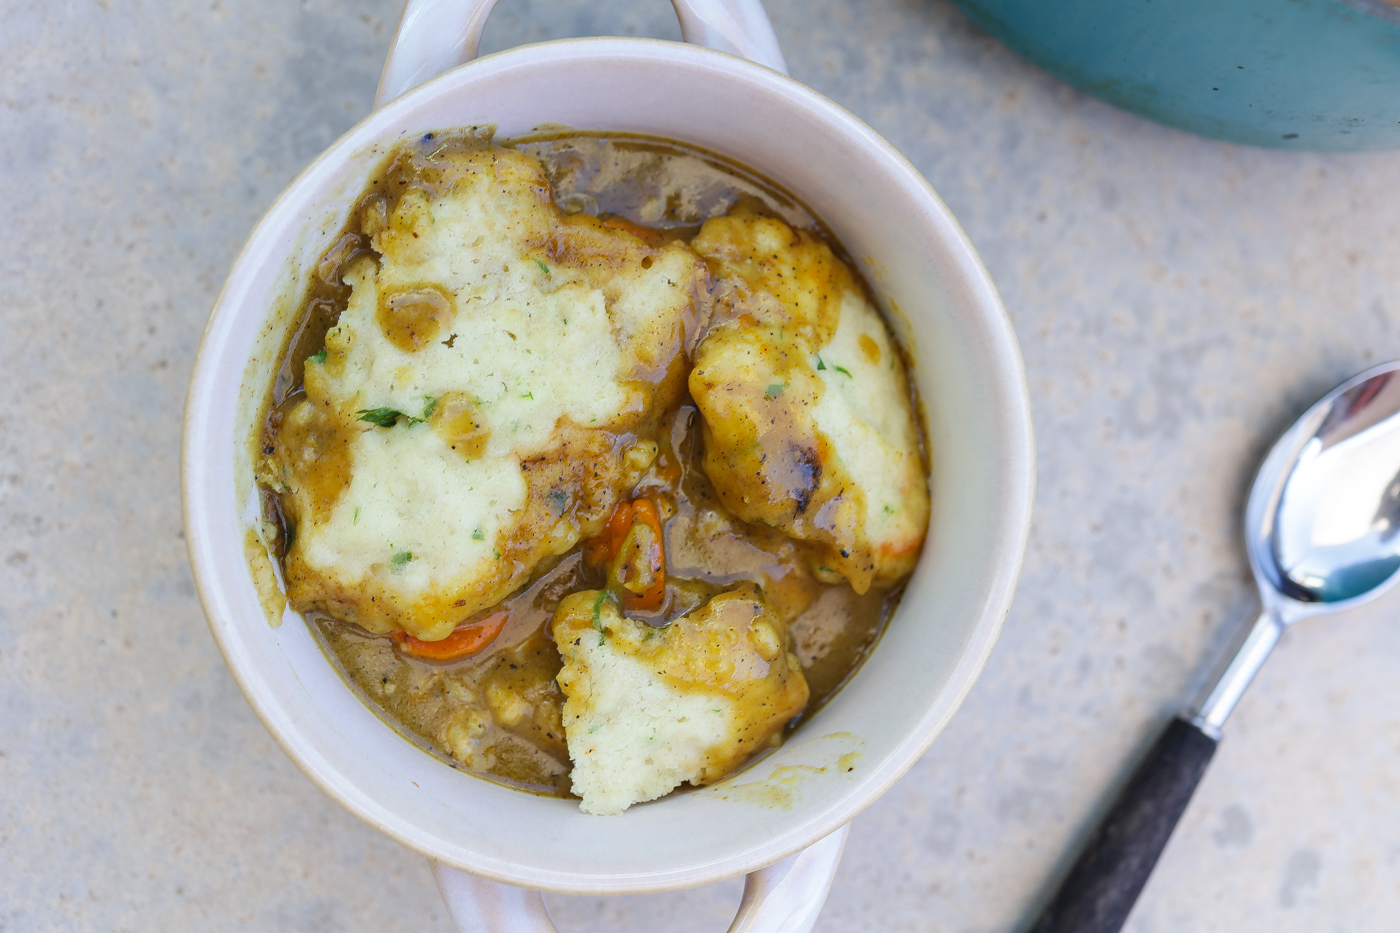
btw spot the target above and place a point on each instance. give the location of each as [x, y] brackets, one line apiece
[1322, 526]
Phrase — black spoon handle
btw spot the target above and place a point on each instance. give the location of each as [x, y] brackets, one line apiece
[1106, 881]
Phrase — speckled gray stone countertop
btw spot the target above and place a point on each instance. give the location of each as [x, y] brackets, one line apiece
[1178, 301]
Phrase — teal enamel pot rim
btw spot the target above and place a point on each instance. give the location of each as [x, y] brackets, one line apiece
[1287, 74]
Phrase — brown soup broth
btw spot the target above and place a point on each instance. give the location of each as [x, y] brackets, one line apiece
[498, 714]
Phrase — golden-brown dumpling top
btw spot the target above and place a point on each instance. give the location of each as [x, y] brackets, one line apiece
[650, 708]
[808, 422]
[478, 404]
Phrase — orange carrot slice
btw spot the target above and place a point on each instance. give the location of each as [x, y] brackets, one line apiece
[644, 513]
[602, 549]
[605, 548]
[463, 642]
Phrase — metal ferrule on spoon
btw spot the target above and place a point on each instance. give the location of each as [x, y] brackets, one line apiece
[1322, 530]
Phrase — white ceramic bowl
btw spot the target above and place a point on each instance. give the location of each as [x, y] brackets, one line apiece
[966, 362]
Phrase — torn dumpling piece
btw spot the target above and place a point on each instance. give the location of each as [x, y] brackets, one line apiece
[808, 421]
[477, 407]
[648, 709]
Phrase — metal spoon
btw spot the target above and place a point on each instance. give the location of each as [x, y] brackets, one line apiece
[1322, 529]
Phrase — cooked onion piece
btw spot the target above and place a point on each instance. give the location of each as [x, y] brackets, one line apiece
[808, 422]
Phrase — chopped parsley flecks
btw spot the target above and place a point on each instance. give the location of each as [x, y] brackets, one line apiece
[528, 394]
[843, 371]
[543, 267]
[400, 560]
[774, 390]
[479, 534]
[559, 499]
[598, 616]
[317, 357]
[384, 417]
[388, 417]
[356, 519]
[820, 364]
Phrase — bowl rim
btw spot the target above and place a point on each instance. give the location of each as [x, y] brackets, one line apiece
[1003, 357]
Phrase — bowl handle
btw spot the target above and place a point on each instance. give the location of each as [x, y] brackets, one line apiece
[437, 35]
[785, 897]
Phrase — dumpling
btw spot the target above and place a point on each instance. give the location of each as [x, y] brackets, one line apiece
[648, 709]
[808, 422]
[478, 404]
